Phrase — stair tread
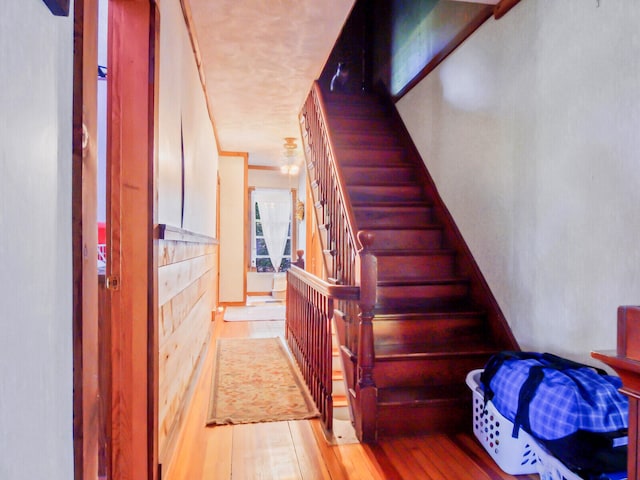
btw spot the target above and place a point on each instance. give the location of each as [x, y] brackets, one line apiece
[345, 96]
[377, 147]
[392, 204]
[416, 314]
[379, 166]
[397, 183]
[460, 308]
[410, 252]
[363, 184]
[418, 351]
[426, 280]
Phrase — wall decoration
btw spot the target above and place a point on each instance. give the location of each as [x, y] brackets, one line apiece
[59, 8]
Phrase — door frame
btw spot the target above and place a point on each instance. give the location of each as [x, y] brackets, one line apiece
[87, 413]
[131, 242]
[131, 299]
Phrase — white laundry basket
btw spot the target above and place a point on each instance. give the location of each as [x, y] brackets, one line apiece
[516, 456]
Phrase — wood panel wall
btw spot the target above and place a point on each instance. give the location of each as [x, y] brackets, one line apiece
[187, 299]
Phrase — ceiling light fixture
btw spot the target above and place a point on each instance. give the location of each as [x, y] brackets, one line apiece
[289, 164]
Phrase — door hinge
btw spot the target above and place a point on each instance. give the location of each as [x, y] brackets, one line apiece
[113, 282]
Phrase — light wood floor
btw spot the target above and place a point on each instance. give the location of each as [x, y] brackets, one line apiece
[298, 449]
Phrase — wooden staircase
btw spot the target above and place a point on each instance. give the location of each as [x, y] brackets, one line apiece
[434, 320]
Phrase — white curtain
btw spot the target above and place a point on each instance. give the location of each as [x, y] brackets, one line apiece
[275, 215]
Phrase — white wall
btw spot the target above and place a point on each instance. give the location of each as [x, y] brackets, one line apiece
[36, 357]
[182, 105]
[233, 197]
[530, 130]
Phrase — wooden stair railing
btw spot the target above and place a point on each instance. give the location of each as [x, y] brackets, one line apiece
[310, 306]
[348, 259]
[333, 209]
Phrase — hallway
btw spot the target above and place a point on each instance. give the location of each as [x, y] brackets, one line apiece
[298, 450]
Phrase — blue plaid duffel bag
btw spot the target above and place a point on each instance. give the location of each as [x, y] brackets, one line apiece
[572, 409]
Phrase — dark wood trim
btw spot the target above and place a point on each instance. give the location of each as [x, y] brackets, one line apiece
[89, 421]
[59, 8]
[501, 9]
[224, 153]
[76, 191]
[153, 349]
[129, 219]
[629, 331]
[624, 360]
[247, 234]
[294, 224]
[247, 228]
[471, 27]
[176, 234]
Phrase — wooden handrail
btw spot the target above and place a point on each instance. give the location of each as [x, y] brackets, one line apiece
[325, 174]
[337, 292]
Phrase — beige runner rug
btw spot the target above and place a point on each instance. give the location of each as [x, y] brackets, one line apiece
[255, 380]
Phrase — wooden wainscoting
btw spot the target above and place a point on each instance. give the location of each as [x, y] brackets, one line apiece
[187, 297]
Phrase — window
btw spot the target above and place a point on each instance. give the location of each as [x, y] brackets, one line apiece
[271, 230]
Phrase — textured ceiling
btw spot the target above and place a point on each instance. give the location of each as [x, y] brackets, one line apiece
[260, 58]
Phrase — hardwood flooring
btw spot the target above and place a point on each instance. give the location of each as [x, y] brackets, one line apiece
[298, 449]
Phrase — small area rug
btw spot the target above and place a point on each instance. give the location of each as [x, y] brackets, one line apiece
[255, 380]
[255, 312]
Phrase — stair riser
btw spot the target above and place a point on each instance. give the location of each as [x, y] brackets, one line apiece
[424, 266]
[342, 98]
[426, 372]
[362, 140]
[359, 124]
[433, 331]
[385, 193]
[392, 218]
[378, 176]
[438, 418]
[362, 110]
[408, 239]
[371, 157]
[445, 293]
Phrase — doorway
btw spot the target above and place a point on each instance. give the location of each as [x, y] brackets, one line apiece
[115, 347]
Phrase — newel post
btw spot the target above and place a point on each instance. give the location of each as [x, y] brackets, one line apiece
[366, 390]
